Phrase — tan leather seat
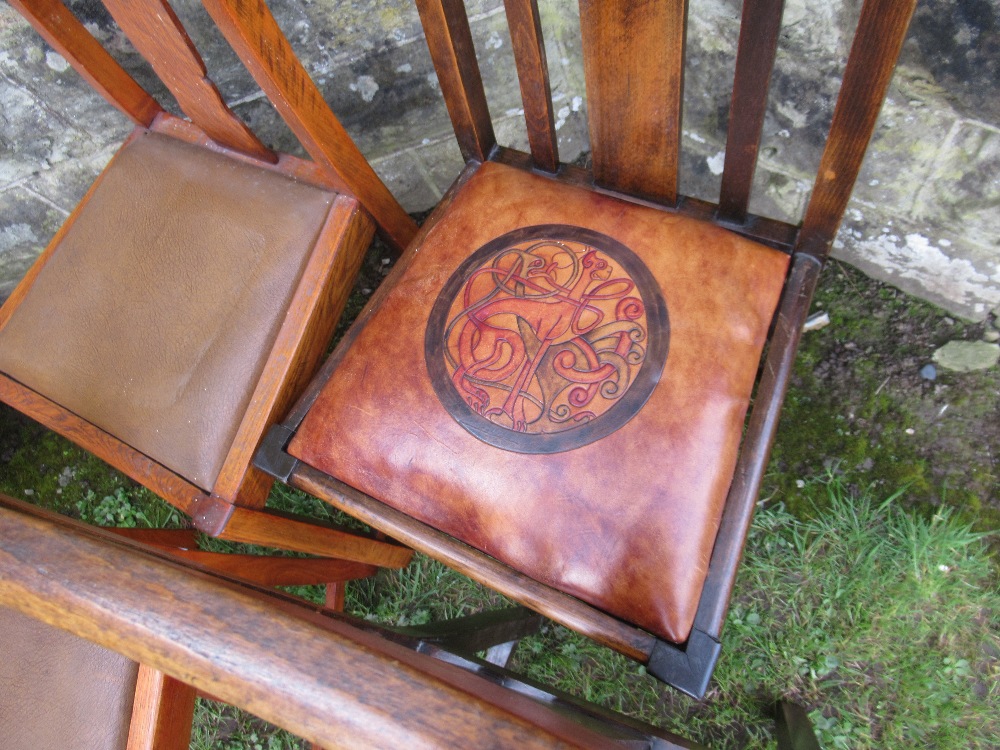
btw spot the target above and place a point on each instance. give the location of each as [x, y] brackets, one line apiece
[522, 390]
[58, 691]
[154, 318]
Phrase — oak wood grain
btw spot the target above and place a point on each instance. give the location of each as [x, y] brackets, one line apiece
[754, 62]
[446, 27]
[154, 29]
[771, 232]
[162, 713]
[321, 679]
[170, 539]
[263, 570]
[634, 65]
[881, 32]
[533, 77]
[273, 529]
[253, 33]
[270, 571]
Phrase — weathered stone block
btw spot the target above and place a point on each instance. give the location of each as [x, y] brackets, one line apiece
[27, 223]
[924, 214]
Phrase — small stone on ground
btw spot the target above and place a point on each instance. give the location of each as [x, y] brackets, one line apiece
[966, 356]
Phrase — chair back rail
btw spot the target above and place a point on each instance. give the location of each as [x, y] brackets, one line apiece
[633, 64]
[157, 33]
[879, 38]
[449, 38]
[755, 55]
[877, 43]
[533, 76]
[251, 30]
[633, 59]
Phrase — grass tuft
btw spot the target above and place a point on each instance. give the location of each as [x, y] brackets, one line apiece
[884, 623]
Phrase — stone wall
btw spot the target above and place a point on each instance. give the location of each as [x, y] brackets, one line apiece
[925, 215]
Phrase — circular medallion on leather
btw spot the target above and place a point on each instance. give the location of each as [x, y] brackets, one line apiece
[547, 338]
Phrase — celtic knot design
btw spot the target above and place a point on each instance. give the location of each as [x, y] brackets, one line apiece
[543, 332]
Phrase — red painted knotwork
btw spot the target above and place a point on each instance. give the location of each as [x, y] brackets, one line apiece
[544, 331]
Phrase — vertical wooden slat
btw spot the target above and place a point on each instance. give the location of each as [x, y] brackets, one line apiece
[633, 53]
[449, 38]
[533, 75]
[256, 37]
[876, 46]
[64, 32]
[754, 63]
[158, 34]
[162, 714]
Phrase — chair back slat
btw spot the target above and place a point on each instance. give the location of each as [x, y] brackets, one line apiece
[881, 31]
[533, 75]
[446, 26]
[633, 63]
[154, 29]
[64, 32]
[252, 32]
[754, 63]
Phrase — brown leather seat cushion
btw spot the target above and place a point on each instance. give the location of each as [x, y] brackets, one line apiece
[560, 379]
[58, 691]
[155, 315]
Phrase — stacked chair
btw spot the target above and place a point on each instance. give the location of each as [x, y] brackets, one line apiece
[566, 389]
[550, 392]
[189, 297]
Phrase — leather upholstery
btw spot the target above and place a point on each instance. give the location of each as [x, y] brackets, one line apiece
[58, 691]
[626, 521]
[155, 315]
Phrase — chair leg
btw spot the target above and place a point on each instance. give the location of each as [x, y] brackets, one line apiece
[263, 570]
[793, 729]
[496, 632]
[335, 593]
[162, 713]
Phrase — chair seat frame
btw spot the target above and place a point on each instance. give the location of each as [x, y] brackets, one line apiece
[234, 507]
[687, 666]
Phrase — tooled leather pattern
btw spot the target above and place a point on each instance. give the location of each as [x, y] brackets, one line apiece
[626, 523]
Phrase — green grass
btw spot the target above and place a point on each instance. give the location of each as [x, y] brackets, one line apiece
[883, 622]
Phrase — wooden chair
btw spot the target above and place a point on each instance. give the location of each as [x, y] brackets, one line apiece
[550, 391]
[333, 680]
[104, 700]
[191, 294]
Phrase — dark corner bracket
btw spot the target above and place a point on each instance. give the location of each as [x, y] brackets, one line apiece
[688, 668]
[272, 458]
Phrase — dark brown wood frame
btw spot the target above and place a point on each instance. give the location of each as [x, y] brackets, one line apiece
[234, 507]
[626, 174]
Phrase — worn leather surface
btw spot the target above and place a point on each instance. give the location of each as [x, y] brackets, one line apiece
[155, 315]
[58, 691]
[627, 522]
